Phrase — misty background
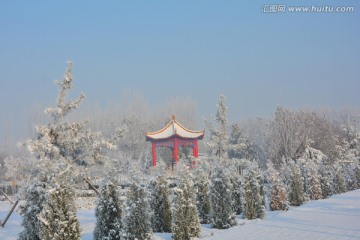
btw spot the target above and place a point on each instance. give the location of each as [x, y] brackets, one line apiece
[170, 56]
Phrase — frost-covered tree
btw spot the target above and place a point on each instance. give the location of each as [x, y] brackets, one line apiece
[108, 214]
[350, 175]
[218, 143]
[203, 199]
[253, 196]
[59, 148]
[277, 194]
[35, 199]
[49, 211]
[285, 174]
[286, 135]
[293, 131]
[296, 189]
[312, 181]
[309, 163]
[260, 179]
[326, 180]
[138, 217]
[235, 180]
[350, 144]
[240, 146]
[339, 179]
[357, 174]
[58, 218]
[222, 215]
[160, 204]
[186, 222]
[70, 141]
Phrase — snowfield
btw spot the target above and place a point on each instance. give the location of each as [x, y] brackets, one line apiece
[337, 217]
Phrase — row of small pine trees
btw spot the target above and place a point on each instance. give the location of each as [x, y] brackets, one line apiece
[180, 210]
[200, 197]
[297, 182]
[147, 209]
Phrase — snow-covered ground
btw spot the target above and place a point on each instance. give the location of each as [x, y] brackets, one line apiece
[335, 218]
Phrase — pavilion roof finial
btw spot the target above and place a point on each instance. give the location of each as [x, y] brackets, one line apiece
[173, 117]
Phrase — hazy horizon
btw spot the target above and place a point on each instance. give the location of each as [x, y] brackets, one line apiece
[195, 49]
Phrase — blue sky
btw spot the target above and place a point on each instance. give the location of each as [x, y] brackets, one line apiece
[197, 48]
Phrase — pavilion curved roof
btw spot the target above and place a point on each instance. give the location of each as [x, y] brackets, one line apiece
[174, 128]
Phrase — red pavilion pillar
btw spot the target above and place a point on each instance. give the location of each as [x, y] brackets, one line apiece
[153, 154]
[195, 150]
[176, 151]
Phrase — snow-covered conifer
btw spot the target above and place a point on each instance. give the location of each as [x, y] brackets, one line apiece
[138, 217]
[59, 148]
[260, 180]
[235, 192]
[326, 180]
[222, 215]
[357, 174]
[203, 199]
[296, 190]
[278, 194]
[240, 146]
[186, 222]
[160, 204]
[350, 176]
[218, 143]
[35, 195]
[58, 218]
[339, 179]
[108, 214]
[312, 181]
[253, 196]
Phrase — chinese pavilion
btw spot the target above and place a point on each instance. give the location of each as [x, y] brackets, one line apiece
[174, 135]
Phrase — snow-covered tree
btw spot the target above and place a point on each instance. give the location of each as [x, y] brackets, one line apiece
[326, 180]
[58, 218]
[222, 215]
[35, 196]
[277, 194]
[138, 217]
[186, 222]
[72, 142]
[218, 143]
[339, 179]
[49, 211]
[240, 146]
[108, 214]
[312, 180]
[293, 131]
[357, 174]
[286, 135]
[59, 148]
[160, 204]
[203, 199]
[350, 175]
[260, 180]
[253, 196]
[296, 189]
[235, 180]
